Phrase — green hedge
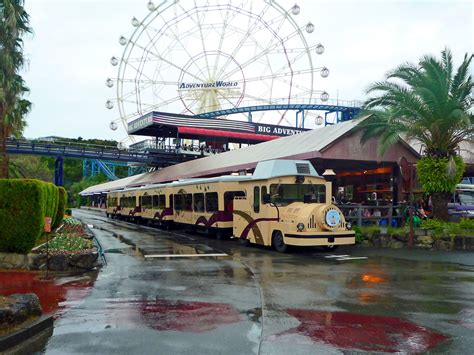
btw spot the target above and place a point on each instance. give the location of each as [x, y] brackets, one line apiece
[22, 211]
[61, 207]
[52, 200]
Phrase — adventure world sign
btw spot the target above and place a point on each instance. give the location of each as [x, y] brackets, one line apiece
[209, 85]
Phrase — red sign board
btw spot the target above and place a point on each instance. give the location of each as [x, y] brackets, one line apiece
[47, 224]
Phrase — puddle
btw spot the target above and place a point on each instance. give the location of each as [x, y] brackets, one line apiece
[56, 294]
[364, 332]
[196, 317]
[114, 251]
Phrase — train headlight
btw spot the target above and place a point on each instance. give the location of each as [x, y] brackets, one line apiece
[300, 227]
[349, 225]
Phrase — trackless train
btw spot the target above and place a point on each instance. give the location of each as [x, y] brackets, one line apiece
[284, 202]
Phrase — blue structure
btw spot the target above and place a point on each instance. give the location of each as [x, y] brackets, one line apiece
[344, 113]
[92, 167]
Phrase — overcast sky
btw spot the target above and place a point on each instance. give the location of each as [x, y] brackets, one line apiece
[73, 41]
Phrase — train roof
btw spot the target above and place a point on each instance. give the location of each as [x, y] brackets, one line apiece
[265, 170]
[277, 168]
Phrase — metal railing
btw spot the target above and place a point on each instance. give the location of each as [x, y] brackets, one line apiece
[363, 215]
[168, 154]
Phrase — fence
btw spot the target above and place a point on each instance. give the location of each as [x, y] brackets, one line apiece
[363, 215]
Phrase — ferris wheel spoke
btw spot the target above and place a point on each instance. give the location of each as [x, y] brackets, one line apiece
[173, 36]
[245, 37]
[156, 55]
[278, 75]
[262, 53]
[151, 106]
[138, 71]
[293, 60]
[199, 25]
[226, 20]
[151, 82]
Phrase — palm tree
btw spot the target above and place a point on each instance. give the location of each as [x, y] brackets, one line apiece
[431, 103]
[14, 23]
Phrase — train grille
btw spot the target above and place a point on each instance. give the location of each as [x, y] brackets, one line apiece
[302, 168]
[312, 222]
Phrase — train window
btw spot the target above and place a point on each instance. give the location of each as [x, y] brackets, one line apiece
[264, 192]
[155, 201]
[198, 202]
[162, 202]
[288, 193]
[171, 201]
[188, 202]
[146, 201]
[211, 202]
[178, 202]
[256, 199]
[229, 199]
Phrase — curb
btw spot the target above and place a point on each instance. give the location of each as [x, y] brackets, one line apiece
[32, 329]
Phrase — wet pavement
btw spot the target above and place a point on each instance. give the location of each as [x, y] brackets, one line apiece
[222, 297]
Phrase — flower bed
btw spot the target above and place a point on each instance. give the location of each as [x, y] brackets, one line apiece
[70, 247]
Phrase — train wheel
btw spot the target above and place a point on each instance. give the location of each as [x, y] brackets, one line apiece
[330, 247]
[278, 243]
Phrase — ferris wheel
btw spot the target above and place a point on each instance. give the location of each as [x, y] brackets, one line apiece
[200, 56]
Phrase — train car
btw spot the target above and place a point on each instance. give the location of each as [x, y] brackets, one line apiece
[156, 204]
[206, 204]
[113, 204]
[288, 203]
[129, 205]
[284, 203]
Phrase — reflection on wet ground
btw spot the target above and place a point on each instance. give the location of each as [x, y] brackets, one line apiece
[56, 294]
[260, 301]
[365, 332]
[161, 314]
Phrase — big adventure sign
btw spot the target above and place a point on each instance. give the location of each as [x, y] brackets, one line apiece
[274, 130]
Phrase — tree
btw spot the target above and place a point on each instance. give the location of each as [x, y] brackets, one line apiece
[30, 167]
[431, 103]
[14, 23]
[74, 197]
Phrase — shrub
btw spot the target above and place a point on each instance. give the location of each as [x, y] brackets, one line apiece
[441, 228]
[61, 207]
[359, 236]
[467, 223]
[433, 173]
[52, 200]
[22, 207]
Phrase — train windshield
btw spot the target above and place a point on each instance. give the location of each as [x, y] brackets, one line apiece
[288, 193]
